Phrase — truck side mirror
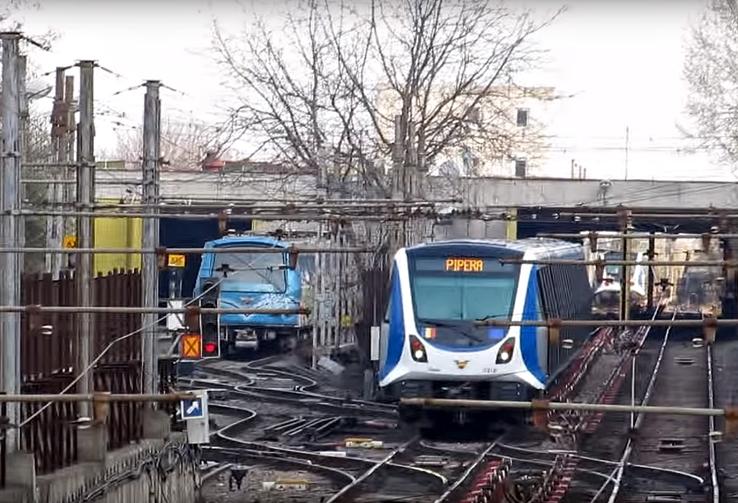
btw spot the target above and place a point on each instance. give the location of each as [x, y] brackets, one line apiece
[292, 256]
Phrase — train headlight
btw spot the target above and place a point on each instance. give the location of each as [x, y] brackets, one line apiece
[504, 354]
[417, 351]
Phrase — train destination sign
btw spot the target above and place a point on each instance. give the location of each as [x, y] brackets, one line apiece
[455, 264]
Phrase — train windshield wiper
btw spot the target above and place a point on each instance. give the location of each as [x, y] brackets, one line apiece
[455, 326]
[490, 316]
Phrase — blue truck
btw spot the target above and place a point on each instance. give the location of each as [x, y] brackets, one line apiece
[256, 280]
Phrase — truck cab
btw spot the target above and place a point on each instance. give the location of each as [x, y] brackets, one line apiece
[252, 280]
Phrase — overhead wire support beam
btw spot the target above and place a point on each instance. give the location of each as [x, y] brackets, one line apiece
[555, 323]
[208, 216]
[191, 251]
[33, 309]
[97, 397]
[256, 206]
[43, 181]
[654, 263]
[639, 235]
[644, 213]
[728, 413]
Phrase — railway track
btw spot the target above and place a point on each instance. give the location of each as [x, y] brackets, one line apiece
[682, 376]
[298, 394]
[546, 472]
[551, 469]
[348, 473]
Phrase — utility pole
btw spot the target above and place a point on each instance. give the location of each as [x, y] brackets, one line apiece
[398, 180]
[625, 276]
[627, 149]
[58, 122]
[651, 279]
[66, 225]
[150, 196]
[10, 202]
[22, 150]
[85, 238]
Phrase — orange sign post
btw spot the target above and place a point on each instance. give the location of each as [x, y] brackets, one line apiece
[191, 348]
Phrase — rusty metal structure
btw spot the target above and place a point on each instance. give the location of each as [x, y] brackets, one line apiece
[49, 363]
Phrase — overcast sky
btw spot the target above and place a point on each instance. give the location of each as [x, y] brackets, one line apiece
[622, 61]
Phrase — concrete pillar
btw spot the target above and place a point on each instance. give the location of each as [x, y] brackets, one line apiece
[156, 424]
[92, 444]
[20, 474]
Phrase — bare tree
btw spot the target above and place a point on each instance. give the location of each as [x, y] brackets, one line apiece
[711, 70]
[343, 92]
[183, 144]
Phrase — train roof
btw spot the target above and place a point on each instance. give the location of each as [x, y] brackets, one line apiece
[246, 240]
[522, 245]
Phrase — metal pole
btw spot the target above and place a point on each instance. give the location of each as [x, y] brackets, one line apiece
[440, 403]
[85, 239]
[198, 251]
[66, 224]
[150, 196]
[22, 149]
[624, 276]
[637, 235]
[58, 120]
[11, 201]
[158, 310]
[655, 263]
[314, 279]
[97, 397]
[633, 389]
[374, 216]
[651, 279]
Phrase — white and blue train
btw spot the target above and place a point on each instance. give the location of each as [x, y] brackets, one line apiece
[431, 344]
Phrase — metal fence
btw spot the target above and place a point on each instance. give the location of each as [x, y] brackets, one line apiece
[49, 350]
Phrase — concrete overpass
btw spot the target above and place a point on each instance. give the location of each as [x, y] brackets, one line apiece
[499, 192]
[530, 195]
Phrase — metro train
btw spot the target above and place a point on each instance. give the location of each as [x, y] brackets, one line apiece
[606, 302]
[431, 344]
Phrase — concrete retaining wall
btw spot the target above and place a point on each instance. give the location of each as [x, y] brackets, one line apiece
[150, 472]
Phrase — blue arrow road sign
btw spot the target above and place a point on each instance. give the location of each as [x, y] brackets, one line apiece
[192, 409]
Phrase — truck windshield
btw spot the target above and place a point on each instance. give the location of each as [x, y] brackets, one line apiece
[251, 269]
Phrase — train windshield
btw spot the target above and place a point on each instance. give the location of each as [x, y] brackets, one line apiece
[251, 271]
[461, 290]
